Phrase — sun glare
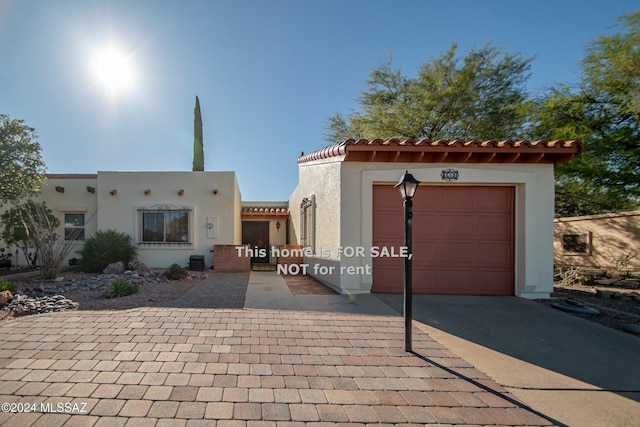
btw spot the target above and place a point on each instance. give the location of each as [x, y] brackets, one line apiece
[113, 70]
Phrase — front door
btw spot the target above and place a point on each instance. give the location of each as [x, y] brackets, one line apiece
[256, 234]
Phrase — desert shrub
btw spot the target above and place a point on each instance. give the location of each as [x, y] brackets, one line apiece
[103, 248]
[121, 288]
[569, 276]
[7, 286]
[175, 272]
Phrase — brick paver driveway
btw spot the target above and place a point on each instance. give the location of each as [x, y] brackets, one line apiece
[164, 366]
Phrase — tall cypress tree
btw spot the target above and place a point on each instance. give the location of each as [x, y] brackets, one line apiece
[198, 148]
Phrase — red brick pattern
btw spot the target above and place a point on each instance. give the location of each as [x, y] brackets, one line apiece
[226, 259]
[188, 366]
[282, 260]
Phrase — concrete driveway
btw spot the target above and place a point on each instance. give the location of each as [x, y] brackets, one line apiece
[574, 370]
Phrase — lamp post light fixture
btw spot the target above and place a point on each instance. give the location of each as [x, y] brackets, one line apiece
[408, 186]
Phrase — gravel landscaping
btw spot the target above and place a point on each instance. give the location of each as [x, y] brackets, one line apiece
[34, 295]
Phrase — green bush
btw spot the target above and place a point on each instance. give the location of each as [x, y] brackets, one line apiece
[7, 286]
[121, 288]
[105, 247]
[175, 272]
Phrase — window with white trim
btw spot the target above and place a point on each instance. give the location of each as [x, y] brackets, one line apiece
[165, 226]
[74, 226]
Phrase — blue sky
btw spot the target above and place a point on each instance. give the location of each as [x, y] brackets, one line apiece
[268, 73]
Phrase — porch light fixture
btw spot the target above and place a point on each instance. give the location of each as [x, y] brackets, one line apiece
[147, 192]
[215, 191]
[113, 192]
[181, 192]
[407, 187]
[278, 225]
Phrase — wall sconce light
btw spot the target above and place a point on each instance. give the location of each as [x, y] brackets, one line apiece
[147, 192]
[113, 192]
[278, 225]
[91, 189]
[215, 191]
[209, 225]
[60, 189]
[181, 192]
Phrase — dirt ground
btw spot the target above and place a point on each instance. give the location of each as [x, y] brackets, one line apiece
[614, 312]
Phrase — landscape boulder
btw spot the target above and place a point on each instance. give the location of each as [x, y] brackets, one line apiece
[114, 268]
[139, 267]
[5, 297]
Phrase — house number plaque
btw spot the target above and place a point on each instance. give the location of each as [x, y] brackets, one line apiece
[449, 175]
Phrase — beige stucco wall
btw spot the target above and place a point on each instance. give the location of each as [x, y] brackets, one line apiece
[323, 182]
[347, 188]
[613, 237]
[75, 199]
[222, 210]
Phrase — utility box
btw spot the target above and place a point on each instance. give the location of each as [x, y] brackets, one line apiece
[196, 262]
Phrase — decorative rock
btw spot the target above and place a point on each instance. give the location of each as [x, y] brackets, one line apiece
[139, 267]
[58, 279]
[5, 297]
[114, 268]
[603, 294]
[634, 328]
[22, 305]
[617, 295]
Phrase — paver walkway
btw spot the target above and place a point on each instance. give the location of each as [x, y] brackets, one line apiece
[219, 290]
[172, 366]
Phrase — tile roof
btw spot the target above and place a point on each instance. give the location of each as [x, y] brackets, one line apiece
[446, 151]
[281, 211]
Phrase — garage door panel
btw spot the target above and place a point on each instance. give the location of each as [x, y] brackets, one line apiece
[457, 199]
[496, 283]
[462, 240]
[494, 225]
[493, 200]
[456, 225]
[491, 254]
[456, 253]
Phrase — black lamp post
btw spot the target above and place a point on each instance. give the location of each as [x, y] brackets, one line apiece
[408, 186]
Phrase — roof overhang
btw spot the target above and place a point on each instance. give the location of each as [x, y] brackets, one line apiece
[264, 212]
[446, 151]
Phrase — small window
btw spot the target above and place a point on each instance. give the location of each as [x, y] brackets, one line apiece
[579, 244]
[73, 226]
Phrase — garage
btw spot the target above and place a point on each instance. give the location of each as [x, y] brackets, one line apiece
[463, 239]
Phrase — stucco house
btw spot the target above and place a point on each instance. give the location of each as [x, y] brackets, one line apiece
[170, 216]
[482, 223]
[482, 217]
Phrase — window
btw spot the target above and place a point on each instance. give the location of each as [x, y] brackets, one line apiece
[307, 223]
[165, 226]
[577, 243]
[73, 226]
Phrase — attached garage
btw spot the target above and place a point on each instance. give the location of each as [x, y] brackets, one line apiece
[463, 240]
[482, 216]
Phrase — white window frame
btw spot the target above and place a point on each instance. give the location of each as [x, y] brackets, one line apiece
[164, 209]
[65, 227]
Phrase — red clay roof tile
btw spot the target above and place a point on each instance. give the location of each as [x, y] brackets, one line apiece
[450, 151]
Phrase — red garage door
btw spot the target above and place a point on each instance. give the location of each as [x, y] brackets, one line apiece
[463, 240]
